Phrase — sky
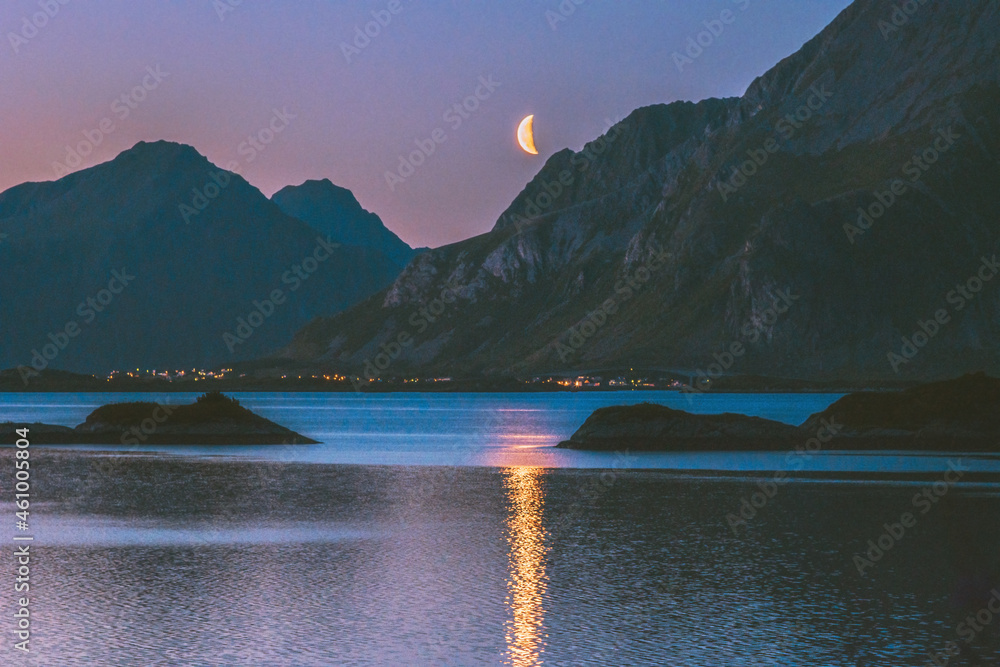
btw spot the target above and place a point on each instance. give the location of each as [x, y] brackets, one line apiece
[350, 106]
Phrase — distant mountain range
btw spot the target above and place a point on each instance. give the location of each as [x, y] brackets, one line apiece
[839, 220]
[159, 259]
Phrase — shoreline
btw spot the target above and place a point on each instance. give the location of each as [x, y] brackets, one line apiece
[562, 382]
[201, 388]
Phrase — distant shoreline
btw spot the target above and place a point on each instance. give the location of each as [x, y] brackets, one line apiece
[307, 390]
[63, 382]
[320, 381]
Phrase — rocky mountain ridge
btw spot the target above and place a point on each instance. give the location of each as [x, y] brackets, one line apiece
[812, 228]
[160, 259]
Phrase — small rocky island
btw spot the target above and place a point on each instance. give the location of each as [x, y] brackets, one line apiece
[961, 415]
[213, 419]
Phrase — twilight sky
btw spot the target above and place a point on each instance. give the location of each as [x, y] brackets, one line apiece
[225, 72]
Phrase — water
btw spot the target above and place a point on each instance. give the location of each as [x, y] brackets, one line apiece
[424, 429]
[438, 530]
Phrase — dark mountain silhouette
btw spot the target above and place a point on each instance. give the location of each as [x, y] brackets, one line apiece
[187, 247]
[333, 210]
[758, 233]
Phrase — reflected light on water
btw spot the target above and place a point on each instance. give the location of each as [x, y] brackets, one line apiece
[526, 581]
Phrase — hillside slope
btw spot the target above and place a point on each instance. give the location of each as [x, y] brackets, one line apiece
[691, 228]
[171, 252]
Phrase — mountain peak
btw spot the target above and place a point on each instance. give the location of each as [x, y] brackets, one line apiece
[157, 158]
[200, 246]
[161, 149]
[335, 211]
[737, 209]
[325, 189]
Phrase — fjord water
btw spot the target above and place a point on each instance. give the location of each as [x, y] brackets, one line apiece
[441, 530]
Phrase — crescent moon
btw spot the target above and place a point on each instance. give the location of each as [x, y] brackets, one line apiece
[526, 135]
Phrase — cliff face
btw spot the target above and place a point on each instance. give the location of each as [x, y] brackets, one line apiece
[840, 205]
[172, 251]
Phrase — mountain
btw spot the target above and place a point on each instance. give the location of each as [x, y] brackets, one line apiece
[832, 222]
[334, 211]
[151, 259]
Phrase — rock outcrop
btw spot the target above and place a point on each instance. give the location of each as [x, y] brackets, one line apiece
[952, 416]
[213, 419]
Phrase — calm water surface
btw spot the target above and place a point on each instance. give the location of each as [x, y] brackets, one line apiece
[441, 530]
